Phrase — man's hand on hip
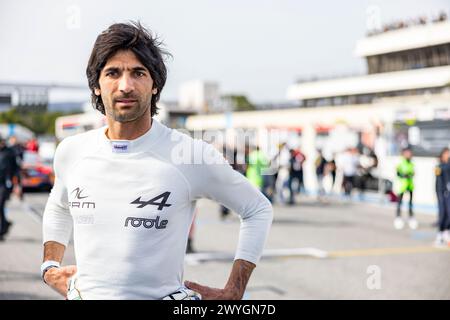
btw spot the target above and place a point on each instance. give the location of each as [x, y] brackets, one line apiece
[209, 293]
[58, 278]
[235, 287]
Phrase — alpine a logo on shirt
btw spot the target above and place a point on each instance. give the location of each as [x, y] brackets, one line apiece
[149, 223]
[120, 146]
[80, 204]
[164, 196]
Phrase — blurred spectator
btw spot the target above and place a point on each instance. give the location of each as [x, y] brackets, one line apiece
[331, 169]
[405, 177]
[321, 163]
[257, 162]
[8, 170]
[17, 147]
[349, 162]
[282, 179]
[442, 172]
[270, 177]
[368, 161]
[18, 151]
[295, 173]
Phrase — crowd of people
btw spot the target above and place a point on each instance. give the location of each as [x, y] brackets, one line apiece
[401, 24]
[405, 175]
[281, 179]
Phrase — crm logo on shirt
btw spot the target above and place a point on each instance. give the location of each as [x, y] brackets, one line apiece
[136, 222]
[78, 195]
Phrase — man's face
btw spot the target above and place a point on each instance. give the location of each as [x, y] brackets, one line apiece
[445, 156]
[407, 154]
[126, 87]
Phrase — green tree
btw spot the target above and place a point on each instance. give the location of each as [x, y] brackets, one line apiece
[38, 122]
[240, 103]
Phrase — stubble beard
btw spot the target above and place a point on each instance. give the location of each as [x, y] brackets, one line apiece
[130, 115]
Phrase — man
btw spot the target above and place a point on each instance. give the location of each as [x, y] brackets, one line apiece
[257, 163]
[18, 151]
[349, 161]
[295, 173]
[405, 184]
[321, 164]
[129, 189]
[331, 169]
[442, 172]
[8, 171]
[368, 162]
[282, 174]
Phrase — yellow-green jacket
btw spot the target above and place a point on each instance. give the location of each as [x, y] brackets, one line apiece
[405, 175]
[257, 162]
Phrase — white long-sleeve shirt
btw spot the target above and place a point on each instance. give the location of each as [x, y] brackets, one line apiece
[131, 202]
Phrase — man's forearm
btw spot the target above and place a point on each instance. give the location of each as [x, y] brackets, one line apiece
[57, 278]
[53, 251]
[240, 274]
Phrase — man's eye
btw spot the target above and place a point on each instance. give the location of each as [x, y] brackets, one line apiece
[140, 74]
[111, 73]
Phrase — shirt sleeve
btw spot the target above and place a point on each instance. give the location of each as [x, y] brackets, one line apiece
[57, 220]
[216, 180]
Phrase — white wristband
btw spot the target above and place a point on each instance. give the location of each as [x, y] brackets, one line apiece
[47, 265]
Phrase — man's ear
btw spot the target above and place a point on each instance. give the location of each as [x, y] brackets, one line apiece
[155, 90]
[97, 91]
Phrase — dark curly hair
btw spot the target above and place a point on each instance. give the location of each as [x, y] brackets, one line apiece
[127, 36]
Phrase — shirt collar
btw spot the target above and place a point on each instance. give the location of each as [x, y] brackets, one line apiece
[140, 144]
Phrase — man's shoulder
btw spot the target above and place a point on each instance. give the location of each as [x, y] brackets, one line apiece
[77, 144]
[176, 135]
[177, 138]
[81, 138]
[179, 148]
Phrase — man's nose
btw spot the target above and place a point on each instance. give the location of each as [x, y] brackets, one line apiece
[126, 84]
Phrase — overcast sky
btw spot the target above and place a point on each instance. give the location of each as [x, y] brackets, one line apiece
[256, 47]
